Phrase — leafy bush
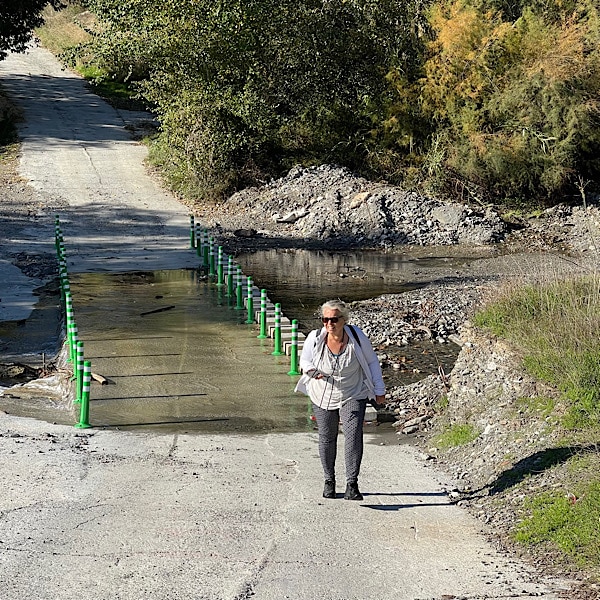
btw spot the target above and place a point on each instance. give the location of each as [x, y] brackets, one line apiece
[480, 99]
[245, 89]
[517, 100]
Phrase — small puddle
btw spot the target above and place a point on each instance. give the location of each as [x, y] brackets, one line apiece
[178, 356]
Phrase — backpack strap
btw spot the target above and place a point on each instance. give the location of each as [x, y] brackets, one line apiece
[354, 334]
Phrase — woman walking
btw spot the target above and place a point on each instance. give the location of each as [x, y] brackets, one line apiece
[341, 373]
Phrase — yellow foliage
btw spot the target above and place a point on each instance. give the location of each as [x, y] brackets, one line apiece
[458, 68]
[564, 55]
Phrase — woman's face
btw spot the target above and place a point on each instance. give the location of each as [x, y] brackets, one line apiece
[329, 325]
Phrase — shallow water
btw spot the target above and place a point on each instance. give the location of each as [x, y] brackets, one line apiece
[303, 279]
[176, 353]
[179, 357]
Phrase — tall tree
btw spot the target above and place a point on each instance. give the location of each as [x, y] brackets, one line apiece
[244, 88]
[18, 19]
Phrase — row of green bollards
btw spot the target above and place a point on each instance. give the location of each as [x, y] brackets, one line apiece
[82, 369]
[222, 269]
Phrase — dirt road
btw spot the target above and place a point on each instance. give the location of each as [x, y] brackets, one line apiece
[113, 515]
[79, 156]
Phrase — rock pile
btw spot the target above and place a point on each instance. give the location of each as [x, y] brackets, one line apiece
[329, 203]
[432, 312]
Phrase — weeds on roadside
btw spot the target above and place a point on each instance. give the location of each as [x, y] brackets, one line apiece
[566, 521]
[9, 115]
[457, 434]
[556, 325]
[541, 405]
[65, 28]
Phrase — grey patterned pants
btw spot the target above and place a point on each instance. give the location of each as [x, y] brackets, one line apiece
[352, 416]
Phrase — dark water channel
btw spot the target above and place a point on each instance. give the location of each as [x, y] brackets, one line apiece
[178, 356]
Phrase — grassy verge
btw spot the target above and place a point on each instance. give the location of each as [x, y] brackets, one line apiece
[455, 435]
[555, 326]
[563, 522]
[65, 29]
[66, 33]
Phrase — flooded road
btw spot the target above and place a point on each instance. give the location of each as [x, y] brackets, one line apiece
[178, 356]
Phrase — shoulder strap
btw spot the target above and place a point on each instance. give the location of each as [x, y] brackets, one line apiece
[315, 344]
[354, 334]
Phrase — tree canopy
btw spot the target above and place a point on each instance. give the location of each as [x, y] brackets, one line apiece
[18, 19]
[487, 100]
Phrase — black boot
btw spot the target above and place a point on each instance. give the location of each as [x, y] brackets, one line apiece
[329, 489]
[352, 492]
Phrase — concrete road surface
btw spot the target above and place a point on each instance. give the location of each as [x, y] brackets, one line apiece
[114, 515]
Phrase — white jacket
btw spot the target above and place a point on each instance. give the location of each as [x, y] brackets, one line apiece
[313, 347]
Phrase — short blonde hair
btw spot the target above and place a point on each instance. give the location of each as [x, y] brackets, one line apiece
[338, 305]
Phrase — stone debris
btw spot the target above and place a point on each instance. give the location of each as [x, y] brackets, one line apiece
[330, 204]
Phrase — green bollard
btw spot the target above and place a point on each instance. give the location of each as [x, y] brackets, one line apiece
[79, 384]
[294, 350]
[211, 258]
[73, 338]
[263, 315]
[57, 238]
[69, 320]
[230, 269]
[64, 281]
[84, 413]
[249, 302]
[220, 280]
[62, 277]
[277, 351]
[198, 242]
[62, 256]
[205, 260]
[239, 290]
[192, 236]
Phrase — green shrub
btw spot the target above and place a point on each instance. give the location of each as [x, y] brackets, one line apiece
[517, 99]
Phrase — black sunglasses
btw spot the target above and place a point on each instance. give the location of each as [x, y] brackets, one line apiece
[333, 320]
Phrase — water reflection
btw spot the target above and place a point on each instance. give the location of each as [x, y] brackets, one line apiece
[303, 279]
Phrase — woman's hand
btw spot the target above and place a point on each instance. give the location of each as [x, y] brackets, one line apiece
[380, 399]
[315, 374]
